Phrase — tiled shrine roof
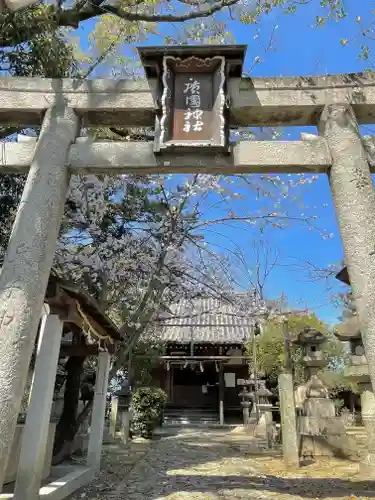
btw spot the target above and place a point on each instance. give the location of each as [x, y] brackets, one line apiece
[206, 320]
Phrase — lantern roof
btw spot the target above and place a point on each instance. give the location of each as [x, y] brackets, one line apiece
[152, 57]
[263, 391]
[124, 389]
[348, 329]
[310, 336]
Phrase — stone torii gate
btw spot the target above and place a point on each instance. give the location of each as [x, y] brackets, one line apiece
[192, 95]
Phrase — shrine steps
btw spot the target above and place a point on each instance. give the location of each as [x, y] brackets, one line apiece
[191, 417]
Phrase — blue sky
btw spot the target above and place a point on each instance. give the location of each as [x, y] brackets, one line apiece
[297, 49]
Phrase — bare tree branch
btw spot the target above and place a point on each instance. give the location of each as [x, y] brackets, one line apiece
[10, 36]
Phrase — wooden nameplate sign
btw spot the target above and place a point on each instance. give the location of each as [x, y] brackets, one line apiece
[193, 102]
[192, 95]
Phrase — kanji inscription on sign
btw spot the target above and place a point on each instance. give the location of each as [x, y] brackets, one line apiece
[193, 102]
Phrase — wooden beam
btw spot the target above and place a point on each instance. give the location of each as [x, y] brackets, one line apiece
[253, 101]
[78, 350]
[66, 307]
[139, 158]
[84, 350]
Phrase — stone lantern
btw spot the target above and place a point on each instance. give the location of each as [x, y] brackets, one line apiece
[123, 395]
[249, 400]
[246, 403]
[317, 409]
[349, 331]
[357, 371]
[312, 342]
[264, 395]
[191, 95]
[123, 405]
[265, 424]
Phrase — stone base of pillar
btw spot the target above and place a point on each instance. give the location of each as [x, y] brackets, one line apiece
[264, 427]
[245, 416]
[315, 446]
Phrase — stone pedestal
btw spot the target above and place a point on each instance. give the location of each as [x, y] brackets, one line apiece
[315, 424]
[319, 408]
[125, 424]
[264, 427]
[358, 372]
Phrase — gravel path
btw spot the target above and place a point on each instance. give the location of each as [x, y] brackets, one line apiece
[195, 465]
[215, 465]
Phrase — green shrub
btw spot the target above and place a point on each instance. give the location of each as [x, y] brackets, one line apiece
[148, 407]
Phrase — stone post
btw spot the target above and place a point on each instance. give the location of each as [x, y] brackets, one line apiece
[354, 199]
[288, 406]
[367, 465]
[124, 402]
[113, 422]
[288, 420]
[125, 424]
[35, 433]
[27, 263]
[221, 394]
[98, 411]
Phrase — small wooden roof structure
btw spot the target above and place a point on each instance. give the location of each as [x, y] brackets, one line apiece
[152, 56]
[82, 315]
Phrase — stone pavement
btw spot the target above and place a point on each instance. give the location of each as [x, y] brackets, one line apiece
[197, 465]
[215, 465]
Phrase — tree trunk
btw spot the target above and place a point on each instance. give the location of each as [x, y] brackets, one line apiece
[68, 425]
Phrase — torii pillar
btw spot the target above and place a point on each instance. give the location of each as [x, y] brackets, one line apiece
[354, 199]
[28, 261]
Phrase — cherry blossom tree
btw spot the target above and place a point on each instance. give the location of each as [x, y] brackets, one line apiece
[139, 243]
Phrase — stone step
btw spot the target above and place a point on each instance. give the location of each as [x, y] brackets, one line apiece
[356, 432]
[190, 416]
[189, 421]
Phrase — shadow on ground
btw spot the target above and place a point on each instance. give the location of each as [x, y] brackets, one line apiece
[211, 464]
